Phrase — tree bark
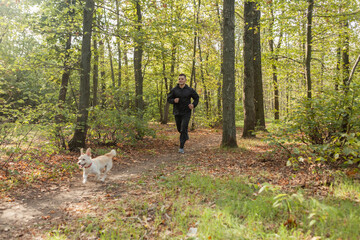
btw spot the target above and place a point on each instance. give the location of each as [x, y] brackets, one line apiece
[118, 42]
[219, 88]
[338, 64]
[111, 63]
[228, 90]
[308, 47]
[206, 98]
[95, 73]
[345, 56]
[193, 67]
[138, 53]
[62, 94]
[102, 73]
[162, 109]
[169, 85]
[258, 82]
[79, 138]
[249, 105]
[274, 61]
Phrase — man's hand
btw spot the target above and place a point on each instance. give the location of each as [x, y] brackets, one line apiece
[176, 100]
[191, 106]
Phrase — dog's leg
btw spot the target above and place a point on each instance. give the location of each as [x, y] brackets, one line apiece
[98, 175]
[84, 177]
[108, 167]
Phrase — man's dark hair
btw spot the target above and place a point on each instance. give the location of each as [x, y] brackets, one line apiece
[182, 75]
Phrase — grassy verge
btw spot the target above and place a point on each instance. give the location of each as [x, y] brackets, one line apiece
[187, 205]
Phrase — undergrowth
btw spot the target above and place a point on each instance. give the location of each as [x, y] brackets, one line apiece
[198, 206]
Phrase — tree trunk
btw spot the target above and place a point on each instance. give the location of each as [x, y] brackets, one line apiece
[160, 101]
[219, 88]
[62, 94]
[118, 42]
[274, 61]
[345, 56]
[138, 53]
[102, 73]
[206, 98]
[193, 71]
[111, 63]
[338, 64]
[345, 124]
[193, 67]
[258, 82]
[249, 105]
[95, 73]
[169, 84]
[127, 104]
[161, 107]
[308, 47]
[79, 138]
[228, 93]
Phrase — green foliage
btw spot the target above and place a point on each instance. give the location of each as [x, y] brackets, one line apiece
[113, 126]
[316, 126]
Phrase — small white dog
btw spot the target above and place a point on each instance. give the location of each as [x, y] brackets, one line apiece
[95, 165]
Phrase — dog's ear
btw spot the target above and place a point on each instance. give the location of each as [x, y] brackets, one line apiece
[88, 152]
[81, 151]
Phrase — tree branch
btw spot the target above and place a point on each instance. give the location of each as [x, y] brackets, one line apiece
[353, 70]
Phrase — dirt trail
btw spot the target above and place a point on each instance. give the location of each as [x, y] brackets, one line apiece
[37, 209]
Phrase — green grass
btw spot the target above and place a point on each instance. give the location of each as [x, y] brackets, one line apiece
[225, 208]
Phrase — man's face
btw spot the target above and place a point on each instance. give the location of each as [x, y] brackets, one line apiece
[182, 80]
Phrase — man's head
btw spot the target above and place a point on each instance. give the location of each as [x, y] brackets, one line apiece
[182, 80]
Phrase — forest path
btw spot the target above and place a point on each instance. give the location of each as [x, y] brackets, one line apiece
[37, 209]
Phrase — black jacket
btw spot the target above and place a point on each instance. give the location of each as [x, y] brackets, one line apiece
[184, 94]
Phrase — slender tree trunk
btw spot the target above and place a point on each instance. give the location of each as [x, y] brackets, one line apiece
[193, 71]
[258, 82]
[95, 73]
[206, 98]
[345, 125]
[160, 101]
[62, 94]
[111, 63]
[338, 64]
[66, 74]
[138, 53]
[249, 105]
[228, 93]
[219, 87]
[345, 56]
[161, 107]
[193, 67]
[95, 67]
[60, 119]
[126, 83]
[308, 47]
[169, 84]
[79, 138]
[118, 41]
[102, 73]
[274, 60]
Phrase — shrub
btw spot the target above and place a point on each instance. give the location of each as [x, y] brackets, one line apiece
[112, 126]
[319, 126]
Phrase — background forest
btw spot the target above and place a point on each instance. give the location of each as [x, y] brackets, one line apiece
[96, 73]
[308, 52]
